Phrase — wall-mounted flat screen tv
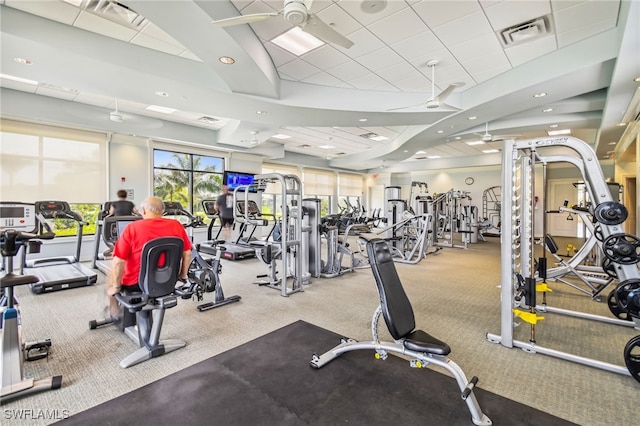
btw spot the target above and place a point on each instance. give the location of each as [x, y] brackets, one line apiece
[236, 179]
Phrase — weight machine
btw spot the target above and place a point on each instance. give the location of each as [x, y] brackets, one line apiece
[519, 282]
[453, 214]
[491, 212]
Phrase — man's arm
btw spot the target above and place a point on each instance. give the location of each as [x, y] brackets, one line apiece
[186, 261]
[115, 276]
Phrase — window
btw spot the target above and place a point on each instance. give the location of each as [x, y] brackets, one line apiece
[272, 196]
[320, 184]
[39, 162]
[187, 178]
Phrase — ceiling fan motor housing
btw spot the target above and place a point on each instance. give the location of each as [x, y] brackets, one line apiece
[295, 12]
[432, 104]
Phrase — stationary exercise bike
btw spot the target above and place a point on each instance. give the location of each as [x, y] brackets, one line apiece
[14, 351]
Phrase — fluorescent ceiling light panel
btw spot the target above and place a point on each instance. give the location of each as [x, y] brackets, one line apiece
[475, 143]
[326, 147]
[559, 132]
[378, 138]
[19, 79]
[297, 41]
[280, 136]
[433, 157]
[490, 151]
[161, 109]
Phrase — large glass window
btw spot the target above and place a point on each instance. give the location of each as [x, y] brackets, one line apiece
[187, 178]
[39, 162]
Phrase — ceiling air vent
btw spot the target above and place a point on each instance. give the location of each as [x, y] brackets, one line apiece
[111, 10]
[208, 120]
[526, 31]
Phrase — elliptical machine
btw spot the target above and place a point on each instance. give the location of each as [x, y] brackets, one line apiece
[14, 351]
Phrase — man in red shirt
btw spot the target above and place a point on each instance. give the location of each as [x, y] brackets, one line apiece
[128, 249]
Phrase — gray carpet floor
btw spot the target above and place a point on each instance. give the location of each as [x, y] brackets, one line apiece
[455, 295]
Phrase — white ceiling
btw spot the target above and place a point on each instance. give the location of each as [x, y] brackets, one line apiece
[84, 59]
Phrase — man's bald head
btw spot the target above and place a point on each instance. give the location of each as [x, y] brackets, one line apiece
[152, 207]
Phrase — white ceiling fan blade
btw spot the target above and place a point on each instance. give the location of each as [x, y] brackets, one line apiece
[446, 92]
[324, 32]
[245, 19]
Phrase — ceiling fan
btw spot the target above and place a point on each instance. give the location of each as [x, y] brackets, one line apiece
[295, 12]
[115, 115]
[488, 137]
[434, 101]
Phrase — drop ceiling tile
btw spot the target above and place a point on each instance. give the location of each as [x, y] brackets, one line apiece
[508, 13]
[354, 9]
[363, 42]
[91, 22]
[399, 71]
[299, 69]
[527, 51]
[558, 5]
[339, 20]
[477, 47]
[325, 57]
[569, 37]
[54, 93]
[418, 83]
[398, 26]
[486, 74]
[417, 45]
[348, 71]
[439, 12]
[278, 54]
[585, 14]
[155, 44]
[322, 79]
[54, 10]
[386, 87]
[465, 28]
[368, 81]
[380, 59]
[241, 4]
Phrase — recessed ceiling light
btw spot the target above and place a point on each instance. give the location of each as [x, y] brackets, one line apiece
[362, 119]
[280, 136]
[559, 132]
[433, 157]
[490, 151]
[208, 120]
[297, 41]
[621, 124]
[612, 143]
[23, 61]
[540, 95]
[553, 126]
[163, 94]
[547, 110]
[305, 146]
[637, 79]
[473, 117]
[261, 112]
[440, 131]
[420, 152]
[161, 109]
[475, 143]
[405, 150]
[227, 60]
[458, 138]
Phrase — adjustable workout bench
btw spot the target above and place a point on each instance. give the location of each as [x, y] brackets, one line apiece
[418, 345]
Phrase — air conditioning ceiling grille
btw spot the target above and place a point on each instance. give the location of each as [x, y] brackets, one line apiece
[526, 31]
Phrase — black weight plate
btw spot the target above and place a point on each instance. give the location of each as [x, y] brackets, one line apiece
[611, 213]
[622, 248]
[615, 308]
[609, 267]
[632, 357]
[627, 296]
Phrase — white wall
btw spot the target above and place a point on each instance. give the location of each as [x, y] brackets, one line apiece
[130, 162]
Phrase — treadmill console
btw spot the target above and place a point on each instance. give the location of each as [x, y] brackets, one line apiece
[54, 209]
[18, 216]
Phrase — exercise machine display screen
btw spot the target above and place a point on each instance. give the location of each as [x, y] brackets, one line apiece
[121, 224]
[17, 216]
[236, 179]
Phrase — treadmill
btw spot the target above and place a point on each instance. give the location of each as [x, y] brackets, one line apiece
[234, 250]
[108, 228]
[57, 273]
